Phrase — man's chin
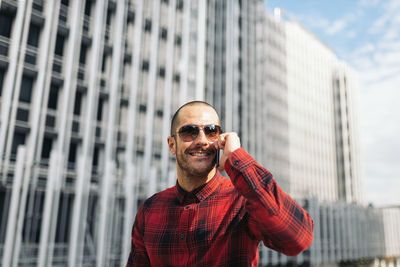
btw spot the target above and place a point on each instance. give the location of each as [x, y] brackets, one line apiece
[201, 172]
[198, 168]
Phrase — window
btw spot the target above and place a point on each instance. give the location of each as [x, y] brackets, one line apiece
[64, 216]
[177, 77]
[142, 108]
[164, 34]
[53, 97]
[72, 152]
[18, 139]
[26, 89]
[161, 72]
[38, 5]
[179, 5]
[109, 15]
[6, 24]
[96, 153]
[145, 65]
[104, 62]
[100, 109]
[178, 40]
[147, 25]
[46, 147]
[82, 54]
[33, 36]
[59, 45]
[1, 80]
[78, 103]
[88, 7]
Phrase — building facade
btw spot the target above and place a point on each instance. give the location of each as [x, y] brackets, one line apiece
[87, 92]
[88, 88]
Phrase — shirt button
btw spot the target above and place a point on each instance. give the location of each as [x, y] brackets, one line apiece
[201, 198]
[236, 162]
[182, 236]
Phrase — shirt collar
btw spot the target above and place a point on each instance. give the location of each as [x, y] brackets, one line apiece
[200, 193]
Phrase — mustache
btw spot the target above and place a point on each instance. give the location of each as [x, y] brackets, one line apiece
[209, 150]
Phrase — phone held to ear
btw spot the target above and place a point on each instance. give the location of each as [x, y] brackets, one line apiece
[217, 159]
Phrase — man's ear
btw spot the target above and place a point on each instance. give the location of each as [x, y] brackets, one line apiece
[171, 145]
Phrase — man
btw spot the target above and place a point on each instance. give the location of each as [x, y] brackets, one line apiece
[207, 219]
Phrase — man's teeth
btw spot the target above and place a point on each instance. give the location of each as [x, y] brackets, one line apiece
[199, 154]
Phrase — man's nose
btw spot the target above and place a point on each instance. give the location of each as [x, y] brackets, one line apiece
[202, 139]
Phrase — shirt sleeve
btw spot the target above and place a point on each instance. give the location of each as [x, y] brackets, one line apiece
[138, 255]
[274, 217]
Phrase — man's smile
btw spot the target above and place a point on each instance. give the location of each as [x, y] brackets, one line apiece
[200, 154]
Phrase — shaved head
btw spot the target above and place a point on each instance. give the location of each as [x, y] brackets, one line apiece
[175, 119]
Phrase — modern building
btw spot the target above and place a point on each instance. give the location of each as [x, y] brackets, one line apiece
[322, 91]
[391, 218]
[88, 88]
[87, 91]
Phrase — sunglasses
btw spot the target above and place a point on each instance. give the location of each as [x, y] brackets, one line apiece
[190, 132]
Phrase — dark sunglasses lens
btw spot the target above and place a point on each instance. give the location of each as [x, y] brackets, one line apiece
[189, 132]
[212, 132]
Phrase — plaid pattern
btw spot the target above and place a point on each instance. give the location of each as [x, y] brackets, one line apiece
[222, 222]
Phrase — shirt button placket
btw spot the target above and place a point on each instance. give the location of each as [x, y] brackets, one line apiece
[182, 234]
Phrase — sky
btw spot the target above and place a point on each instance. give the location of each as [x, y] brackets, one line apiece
[366, 35]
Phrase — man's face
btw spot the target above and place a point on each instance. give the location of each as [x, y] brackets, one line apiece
[194, 158]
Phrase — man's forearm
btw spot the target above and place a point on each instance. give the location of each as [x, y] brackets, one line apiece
[275, 218]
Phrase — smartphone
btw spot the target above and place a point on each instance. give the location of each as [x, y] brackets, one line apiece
[217, 159]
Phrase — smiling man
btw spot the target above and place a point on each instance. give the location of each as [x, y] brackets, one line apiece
[207, 219]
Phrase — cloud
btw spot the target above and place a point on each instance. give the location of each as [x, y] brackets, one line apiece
[342, 23]
[314, 21]
[379, 24]
[388, 24]
[368, 3]
[380, 131]
[351, 34]
[378, 65]
[365, 49]
[337, 26]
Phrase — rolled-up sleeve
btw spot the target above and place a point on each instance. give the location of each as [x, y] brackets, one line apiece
[274, 217]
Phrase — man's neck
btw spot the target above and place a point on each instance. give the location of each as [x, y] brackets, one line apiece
[189, 182]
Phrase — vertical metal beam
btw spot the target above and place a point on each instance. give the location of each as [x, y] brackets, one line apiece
[210, 57]
[105, 218]
[64, 120]
[148, 151]
[130, 177]
[49, 206]
[78, 227]
[245, 78]
[250, 37]
[13, 81]
[12, 229]
[168, 87]
[39, 104]
[185, 52]
[8, 93]
[108, 179]
[229, 64]
[201, 49]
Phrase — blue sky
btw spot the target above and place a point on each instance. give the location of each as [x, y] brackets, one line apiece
[366, 35]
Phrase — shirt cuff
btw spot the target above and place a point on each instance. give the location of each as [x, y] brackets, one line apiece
[238, 160]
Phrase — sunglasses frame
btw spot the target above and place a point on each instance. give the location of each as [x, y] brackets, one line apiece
[190, 137]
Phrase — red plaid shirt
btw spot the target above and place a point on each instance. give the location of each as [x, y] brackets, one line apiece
[222, 222]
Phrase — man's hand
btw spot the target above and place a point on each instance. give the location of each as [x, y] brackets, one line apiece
[228, 142]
